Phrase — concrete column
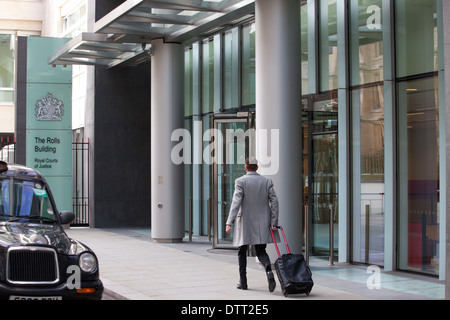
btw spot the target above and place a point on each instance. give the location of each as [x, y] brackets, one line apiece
[278, 108]
[167, 115]
[89, 117]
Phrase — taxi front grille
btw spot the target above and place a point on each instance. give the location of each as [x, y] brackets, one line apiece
[32, 265]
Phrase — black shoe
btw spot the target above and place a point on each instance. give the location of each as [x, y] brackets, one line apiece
[241, 286]
[271, 280]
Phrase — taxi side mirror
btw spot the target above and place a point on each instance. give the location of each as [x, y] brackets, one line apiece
[3, 166]
[66, 217]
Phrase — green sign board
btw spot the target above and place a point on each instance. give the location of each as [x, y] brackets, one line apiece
[49, 118]
[48, 153]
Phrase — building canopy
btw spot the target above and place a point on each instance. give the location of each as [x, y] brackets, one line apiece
[124, 35]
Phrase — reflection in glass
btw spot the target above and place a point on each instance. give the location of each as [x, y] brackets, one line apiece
[248, 64]
[368, 171]
[416, 37]
[320, 175]
[208, 76]
[24, 199]
[188, 82]
[231, 69]
[328, 45]
[304, 47]
[325, 191]
[366, 41]
[419, 175]
[232, 152]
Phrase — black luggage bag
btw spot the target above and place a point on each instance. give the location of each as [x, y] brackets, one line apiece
[293, 273]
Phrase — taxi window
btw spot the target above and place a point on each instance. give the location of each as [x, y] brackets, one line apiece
[4, 197]
[24, 199]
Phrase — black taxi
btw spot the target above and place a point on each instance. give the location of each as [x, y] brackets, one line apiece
[38, 261]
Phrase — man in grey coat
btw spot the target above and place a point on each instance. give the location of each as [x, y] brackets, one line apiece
[254, 211]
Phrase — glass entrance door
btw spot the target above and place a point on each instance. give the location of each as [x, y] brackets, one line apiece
[231, 148]
[324, 193]
[320, 173]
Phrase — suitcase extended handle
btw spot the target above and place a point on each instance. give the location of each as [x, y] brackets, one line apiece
[275, 242]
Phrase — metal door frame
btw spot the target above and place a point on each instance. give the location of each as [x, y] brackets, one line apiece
[241, 117]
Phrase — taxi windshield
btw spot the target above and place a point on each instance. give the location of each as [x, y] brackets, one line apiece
[23, 200]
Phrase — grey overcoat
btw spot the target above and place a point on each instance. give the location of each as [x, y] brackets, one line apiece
[253, 210]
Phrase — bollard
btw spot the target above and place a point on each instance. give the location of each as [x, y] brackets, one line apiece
[331, 235]
[209, 219]
[367, 233]
[307, 235]
[190, 219]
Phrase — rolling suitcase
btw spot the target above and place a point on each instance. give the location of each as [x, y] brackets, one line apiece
[293, 273]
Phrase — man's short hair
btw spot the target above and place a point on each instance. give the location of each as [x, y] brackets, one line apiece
[251, 163]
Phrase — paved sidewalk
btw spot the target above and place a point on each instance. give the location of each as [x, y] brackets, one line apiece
[134, 267]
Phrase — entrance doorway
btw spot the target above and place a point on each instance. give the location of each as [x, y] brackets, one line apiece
[320, 174]
[320, 171]
[231, 147]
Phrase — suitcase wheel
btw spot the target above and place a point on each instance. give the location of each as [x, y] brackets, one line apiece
[307, 293]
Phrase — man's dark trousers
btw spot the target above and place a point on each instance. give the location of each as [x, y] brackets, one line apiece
[260, 253]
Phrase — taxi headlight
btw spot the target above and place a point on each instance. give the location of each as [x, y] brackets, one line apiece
[87, 262]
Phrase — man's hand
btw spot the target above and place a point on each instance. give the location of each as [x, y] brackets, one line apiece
[228, 229]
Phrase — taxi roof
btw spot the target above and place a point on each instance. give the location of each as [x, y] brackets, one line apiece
[17, 170]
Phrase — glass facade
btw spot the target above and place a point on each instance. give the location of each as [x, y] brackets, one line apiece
[368, 174]
[381, 83]
[6, 68]
[188, 81]
[248, 64]
[367, 110]
[306, 77]
[418, 86]
[366, 42]
[320, 170]
[209, 71]
[418, 215]
[416, 32]
[231, 76]
[328, 49]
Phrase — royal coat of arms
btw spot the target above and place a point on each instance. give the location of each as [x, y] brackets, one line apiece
[49, 108]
